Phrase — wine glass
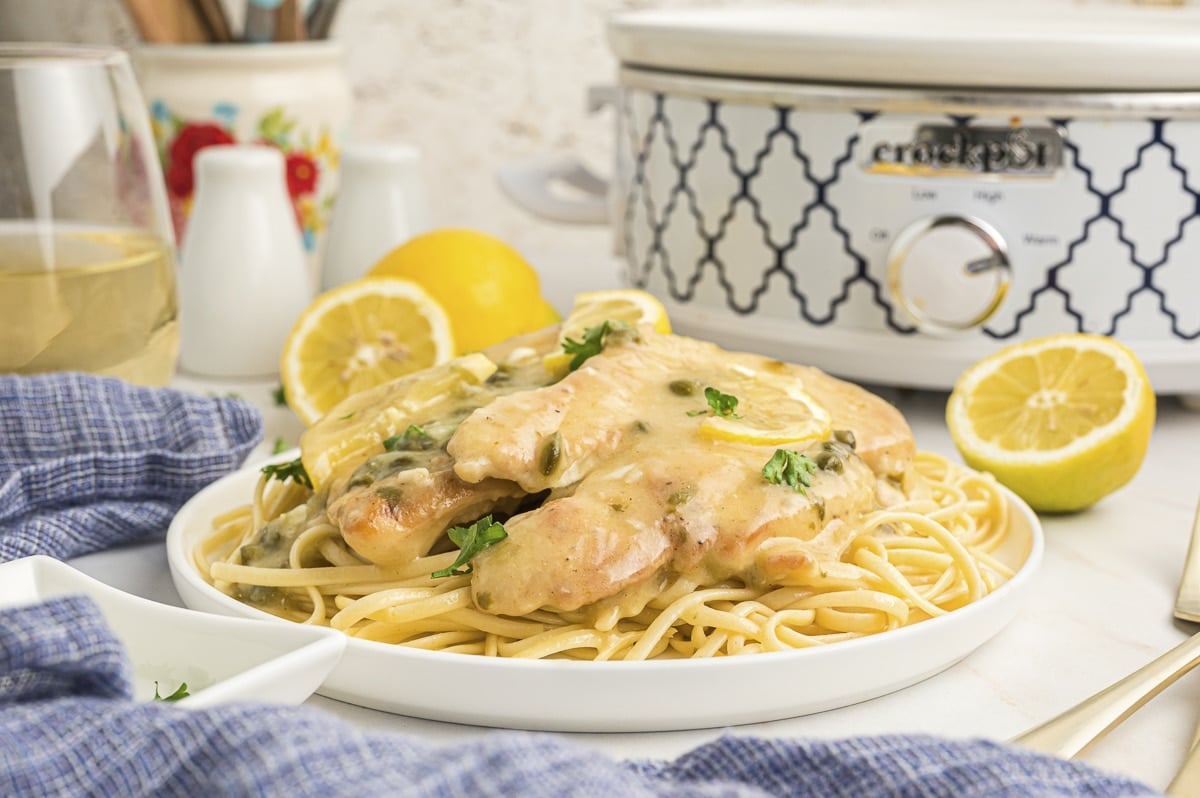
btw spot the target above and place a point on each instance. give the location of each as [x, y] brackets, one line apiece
[87, 254]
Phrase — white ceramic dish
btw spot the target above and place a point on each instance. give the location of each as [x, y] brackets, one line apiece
[627, 696]
[221, 659]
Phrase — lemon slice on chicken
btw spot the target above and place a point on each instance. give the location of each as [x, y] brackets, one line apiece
[596, 307]
[771, 410]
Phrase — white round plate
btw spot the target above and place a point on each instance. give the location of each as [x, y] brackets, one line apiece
[568, 695]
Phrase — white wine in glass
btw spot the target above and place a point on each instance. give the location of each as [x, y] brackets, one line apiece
[87, 270]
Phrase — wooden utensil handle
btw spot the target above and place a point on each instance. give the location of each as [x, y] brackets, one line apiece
[213, 14]
[167, 21]
[289, 22]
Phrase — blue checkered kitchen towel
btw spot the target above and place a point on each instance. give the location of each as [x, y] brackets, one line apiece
[87, 463]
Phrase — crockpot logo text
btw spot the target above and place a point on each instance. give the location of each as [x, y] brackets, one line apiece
[951, 149]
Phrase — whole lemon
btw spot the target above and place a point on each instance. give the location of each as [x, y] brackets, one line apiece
[489, 292]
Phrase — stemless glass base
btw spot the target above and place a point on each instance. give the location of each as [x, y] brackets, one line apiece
[77, 297]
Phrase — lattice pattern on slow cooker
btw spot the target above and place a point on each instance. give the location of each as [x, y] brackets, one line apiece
[765, 210]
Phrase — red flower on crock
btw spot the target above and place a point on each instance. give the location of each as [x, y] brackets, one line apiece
[180, 180]
[191, 138]
[301, 174]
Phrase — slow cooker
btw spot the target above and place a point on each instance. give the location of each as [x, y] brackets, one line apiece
[892, 192]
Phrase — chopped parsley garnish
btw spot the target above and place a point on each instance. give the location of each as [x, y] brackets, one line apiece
[470, 541]
[789, 468]
[292, 469]
[411, 439]
[180, 692]
[280, 446]
[279, 395]
[592, 344]
[720, 404]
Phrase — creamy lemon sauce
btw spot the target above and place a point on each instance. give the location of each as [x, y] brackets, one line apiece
[635, 525]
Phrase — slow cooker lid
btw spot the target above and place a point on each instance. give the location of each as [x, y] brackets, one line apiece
[965, 45]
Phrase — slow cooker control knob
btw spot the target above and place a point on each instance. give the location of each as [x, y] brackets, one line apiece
[948, 272]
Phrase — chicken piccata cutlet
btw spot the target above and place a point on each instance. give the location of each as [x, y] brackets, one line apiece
[609, 482]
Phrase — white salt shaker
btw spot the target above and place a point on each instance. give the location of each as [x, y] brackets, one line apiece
[380, 204]
[243, 277]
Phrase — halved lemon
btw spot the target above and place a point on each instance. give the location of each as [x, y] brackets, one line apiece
[772, 409]
[357, 426]
[1062, 420]
[595, 307]
[358, 336]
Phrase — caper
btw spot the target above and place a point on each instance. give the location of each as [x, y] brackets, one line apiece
[392, 496]
[829, 461]
[681, 496]
[683, 387]
[251, 553]
[845, 436]
[259, 594]
[551, 453]
[360, 480]
[837, 447]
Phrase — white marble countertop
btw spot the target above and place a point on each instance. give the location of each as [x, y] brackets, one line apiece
[1099, 608]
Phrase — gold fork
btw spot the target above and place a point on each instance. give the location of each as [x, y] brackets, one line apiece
[1187, 608]
[1081, 725]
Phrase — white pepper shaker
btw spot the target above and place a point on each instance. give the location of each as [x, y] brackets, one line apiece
[243, 276]
[380, 204]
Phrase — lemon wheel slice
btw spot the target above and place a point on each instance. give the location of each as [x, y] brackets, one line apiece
[358, 336]
[595, 307]
[1062, 420]
[772, 409]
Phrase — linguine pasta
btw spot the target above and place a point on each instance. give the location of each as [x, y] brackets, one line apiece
[924, 555]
